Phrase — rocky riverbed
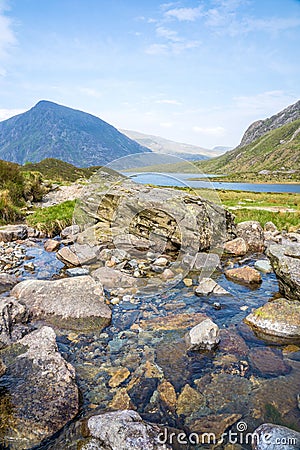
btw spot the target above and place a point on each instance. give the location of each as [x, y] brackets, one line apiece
[103, 347]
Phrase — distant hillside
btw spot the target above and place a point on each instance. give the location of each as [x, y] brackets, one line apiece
[261, 127]
[49, 130]
[57, 170]
[160, 145]
[278, 149]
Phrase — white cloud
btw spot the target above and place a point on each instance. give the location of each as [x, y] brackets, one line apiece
[273, 24]
[157, 49]
[211, 131]
[169, 102]
[185, 14]
[7, 113]
[7, 36]
[168, 34]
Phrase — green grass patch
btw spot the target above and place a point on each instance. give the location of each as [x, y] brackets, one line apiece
[53, 219]
[283, 221]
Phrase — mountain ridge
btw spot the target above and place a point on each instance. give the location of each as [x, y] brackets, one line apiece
[50, 130]
[166, 146]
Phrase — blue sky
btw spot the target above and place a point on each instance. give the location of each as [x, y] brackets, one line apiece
[193, 71]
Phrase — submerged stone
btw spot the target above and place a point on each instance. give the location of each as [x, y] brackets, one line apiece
[42, 390]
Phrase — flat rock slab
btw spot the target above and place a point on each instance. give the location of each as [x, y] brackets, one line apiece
[285, 260]
[173, 322]
[41, 396]
[268, 363]
[73, 303]
[279, 318]
[77, 254]
[246, 275]
[208, 286]
[11, 233]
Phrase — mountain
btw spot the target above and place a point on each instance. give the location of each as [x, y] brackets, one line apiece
[160, 145]
[49, 130]
[261, 127]
[272, 146]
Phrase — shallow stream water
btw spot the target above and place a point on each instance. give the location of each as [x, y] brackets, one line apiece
[146, 336]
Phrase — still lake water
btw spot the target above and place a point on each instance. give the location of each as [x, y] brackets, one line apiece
[185, 180]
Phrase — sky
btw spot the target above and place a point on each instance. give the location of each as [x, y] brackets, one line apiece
[197, 72]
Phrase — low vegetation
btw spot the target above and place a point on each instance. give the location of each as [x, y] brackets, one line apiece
[276, 150]
[59, 171]
[53, 219]
[16, 188]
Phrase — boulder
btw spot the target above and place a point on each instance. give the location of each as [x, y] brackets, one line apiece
[236, 247]
[269, 436]
[252, 233]
[7, 282]
[245, 274]
[208, 286]
[270, 227]
[263, 265]
[113, 278]
[168, 219]
[70, 232]
[68, 257]
[42, 390]
[77, 254]
[51, 245]
[204, 336]
[123, 430]
[285, 260]
[11, 233]
[12, 314]
[279, 318]
[76, 302]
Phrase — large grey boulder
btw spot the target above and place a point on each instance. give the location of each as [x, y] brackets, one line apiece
[12, 313]
[285, 260]
[7, 282]
[123, 430]
[76, 302]
[269, 436]
[165, 219]
[253, 234]
[10, 233]
[42, 390]
[204, 336]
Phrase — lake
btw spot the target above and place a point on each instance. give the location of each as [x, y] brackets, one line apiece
[185, 180]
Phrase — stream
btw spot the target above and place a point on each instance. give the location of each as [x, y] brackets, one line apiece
[146, 337]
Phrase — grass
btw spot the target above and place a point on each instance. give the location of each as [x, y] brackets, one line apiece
[54, 219]
[59, 171]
